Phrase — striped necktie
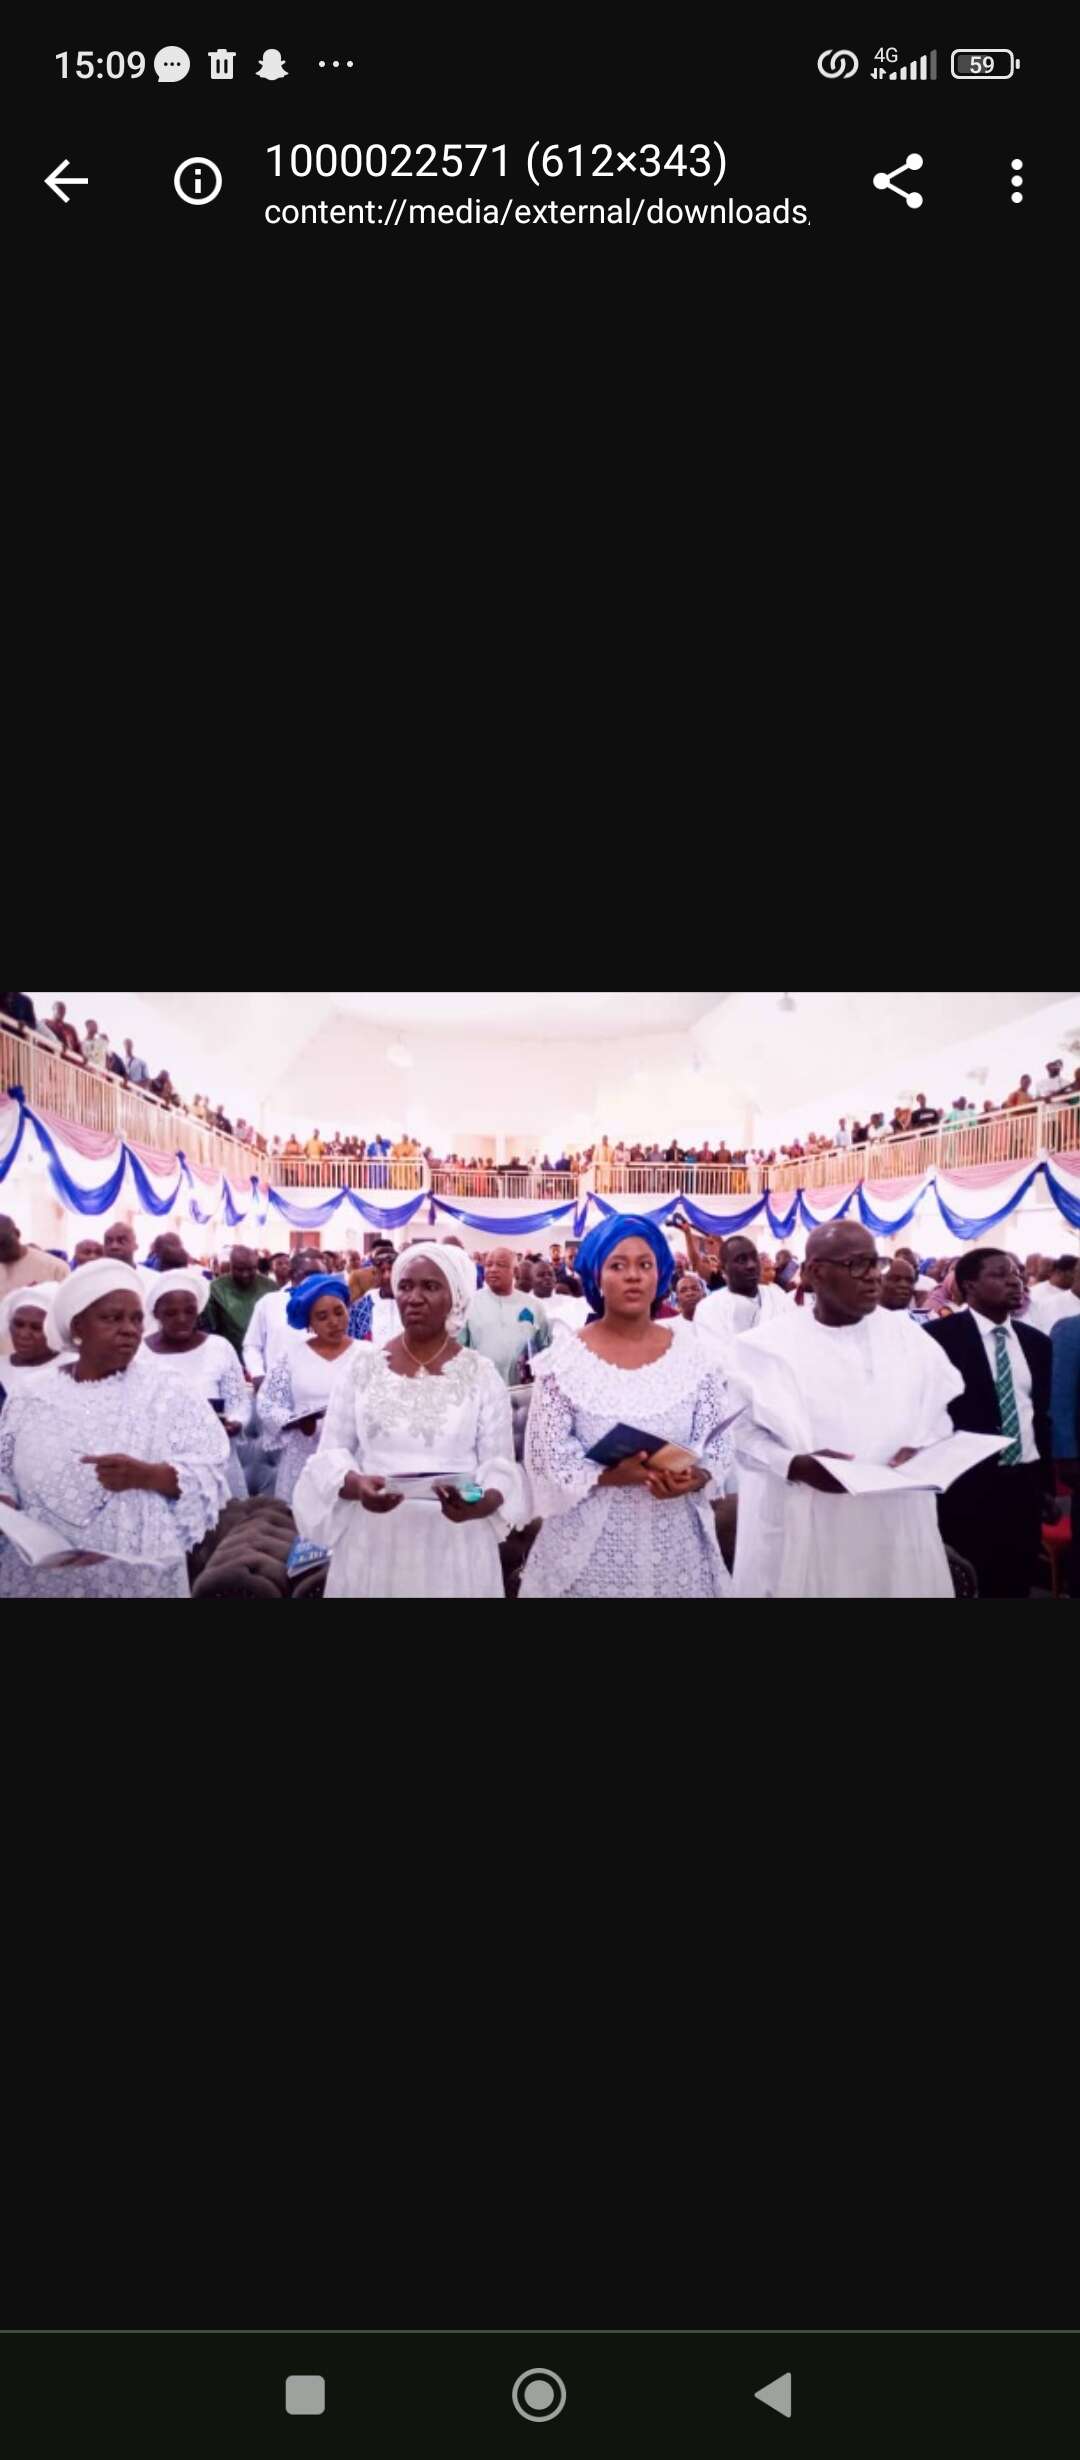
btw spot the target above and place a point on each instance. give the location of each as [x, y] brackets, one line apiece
[1006, 1393]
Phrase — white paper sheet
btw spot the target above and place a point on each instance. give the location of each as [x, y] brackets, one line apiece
[932, 1472]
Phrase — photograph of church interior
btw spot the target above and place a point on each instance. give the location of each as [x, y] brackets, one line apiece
[710, 1296]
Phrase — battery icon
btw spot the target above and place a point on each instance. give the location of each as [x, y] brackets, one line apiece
[984, 64]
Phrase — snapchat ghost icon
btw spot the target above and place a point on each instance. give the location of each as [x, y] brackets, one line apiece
[171, 64]
[271, 65]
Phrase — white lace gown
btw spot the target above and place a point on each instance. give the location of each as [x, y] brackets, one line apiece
[618, 1541]
[299, 1385]
[213, 1372]
[151, 1417]
[387, 1425]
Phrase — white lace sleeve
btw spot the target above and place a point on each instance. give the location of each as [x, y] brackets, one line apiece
[714, 1403]
[199, 1453]
[7, 1451]
[233, 1387]
[318, 1510]
[560, 1472]
[276, 1405]
[497, 1464]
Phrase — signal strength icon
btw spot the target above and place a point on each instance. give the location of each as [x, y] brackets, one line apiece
[922, 69]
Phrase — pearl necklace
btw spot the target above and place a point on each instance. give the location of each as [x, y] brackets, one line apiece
[418, 1362]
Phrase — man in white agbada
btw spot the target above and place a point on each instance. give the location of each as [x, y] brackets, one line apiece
[564, 1314]
[269, 1331]
[839, 1375]
[504, 1322]
[746, 1305]
[729, 1316]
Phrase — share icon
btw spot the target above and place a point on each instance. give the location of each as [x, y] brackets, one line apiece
[888, 179]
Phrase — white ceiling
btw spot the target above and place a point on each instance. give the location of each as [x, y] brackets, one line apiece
[543, 1015]
[527, 1059]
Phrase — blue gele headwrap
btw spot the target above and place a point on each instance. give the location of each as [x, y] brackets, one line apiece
[602, 1242]
[308, 1294]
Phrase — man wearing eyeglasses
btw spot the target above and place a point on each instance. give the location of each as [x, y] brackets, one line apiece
[843, 1378]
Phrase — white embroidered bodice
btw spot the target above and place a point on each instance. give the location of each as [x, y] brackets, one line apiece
[624, 1542]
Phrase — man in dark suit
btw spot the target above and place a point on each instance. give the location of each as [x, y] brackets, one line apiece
[994, 1516]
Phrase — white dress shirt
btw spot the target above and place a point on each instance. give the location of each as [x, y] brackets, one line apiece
[1050, 1306]
[1021, 1375]
[268, 1333]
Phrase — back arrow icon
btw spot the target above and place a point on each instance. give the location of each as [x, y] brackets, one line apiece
[59, 186]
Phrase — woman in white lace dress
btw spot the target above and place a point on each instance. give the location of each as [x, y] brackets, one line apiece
[124, 1463]
[419, 1405]
[295, 1398]
[208, 1364]
[26, 1321]
[633, 1530]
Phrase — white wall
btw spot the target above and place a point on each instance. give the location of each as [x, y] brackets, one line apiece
[940, 1070]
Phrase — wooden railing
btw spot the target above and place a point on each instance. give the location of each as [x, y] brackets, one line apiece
[547, 1186]
[673, 1178]
[340, 1170]
[1001, 1136]
[90, 1098]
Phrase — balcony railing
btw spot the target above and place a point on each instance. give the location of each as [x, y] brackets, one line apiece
[340, 1170]
[547, 1186]
[91, 1098]
[1001, 1136]
[675, 1178]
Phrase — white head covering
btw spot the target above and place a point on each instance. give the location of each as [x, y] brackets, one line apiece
[157, 1286]
[83, 1290]
[37, 1294]
[457, 1269]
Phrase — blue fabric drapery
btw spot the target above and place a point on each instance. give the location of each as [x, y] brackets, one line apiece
[92, 1202]
[319, 1216]
[514, 1226]
[148, 1201]
[814, 1221]
[660, 1214]
[719, 1225]
[966, 1226]
[1067, 1199]
[17, 1095]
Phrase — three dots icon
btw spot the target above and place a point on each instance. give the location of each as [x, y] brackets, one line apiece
[1017, 182]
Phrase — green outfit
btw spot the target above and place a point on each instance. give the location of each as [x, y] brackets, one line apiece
[229, 1310]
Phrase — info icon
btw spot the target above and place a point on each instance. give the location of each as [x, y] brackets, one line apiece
[539, 2396]
[197, 181]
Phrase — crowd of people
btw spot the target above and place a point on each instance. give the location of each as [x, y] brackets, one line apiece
[293, 1158]
[440, 1424]
[920, 1118]
[93, 1050]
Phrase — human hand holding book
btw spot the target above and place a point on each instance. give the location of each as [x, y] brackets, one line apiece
[39, 1546]
[929, 1472]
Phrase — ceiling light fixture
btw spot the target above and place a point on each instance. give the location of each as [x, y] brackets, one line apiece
[399, 1056]
[787, 1005]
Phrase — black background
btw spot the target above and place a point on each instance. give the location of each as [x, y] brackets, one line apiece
[786, 130]
[585, 484]
[652, 1991]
